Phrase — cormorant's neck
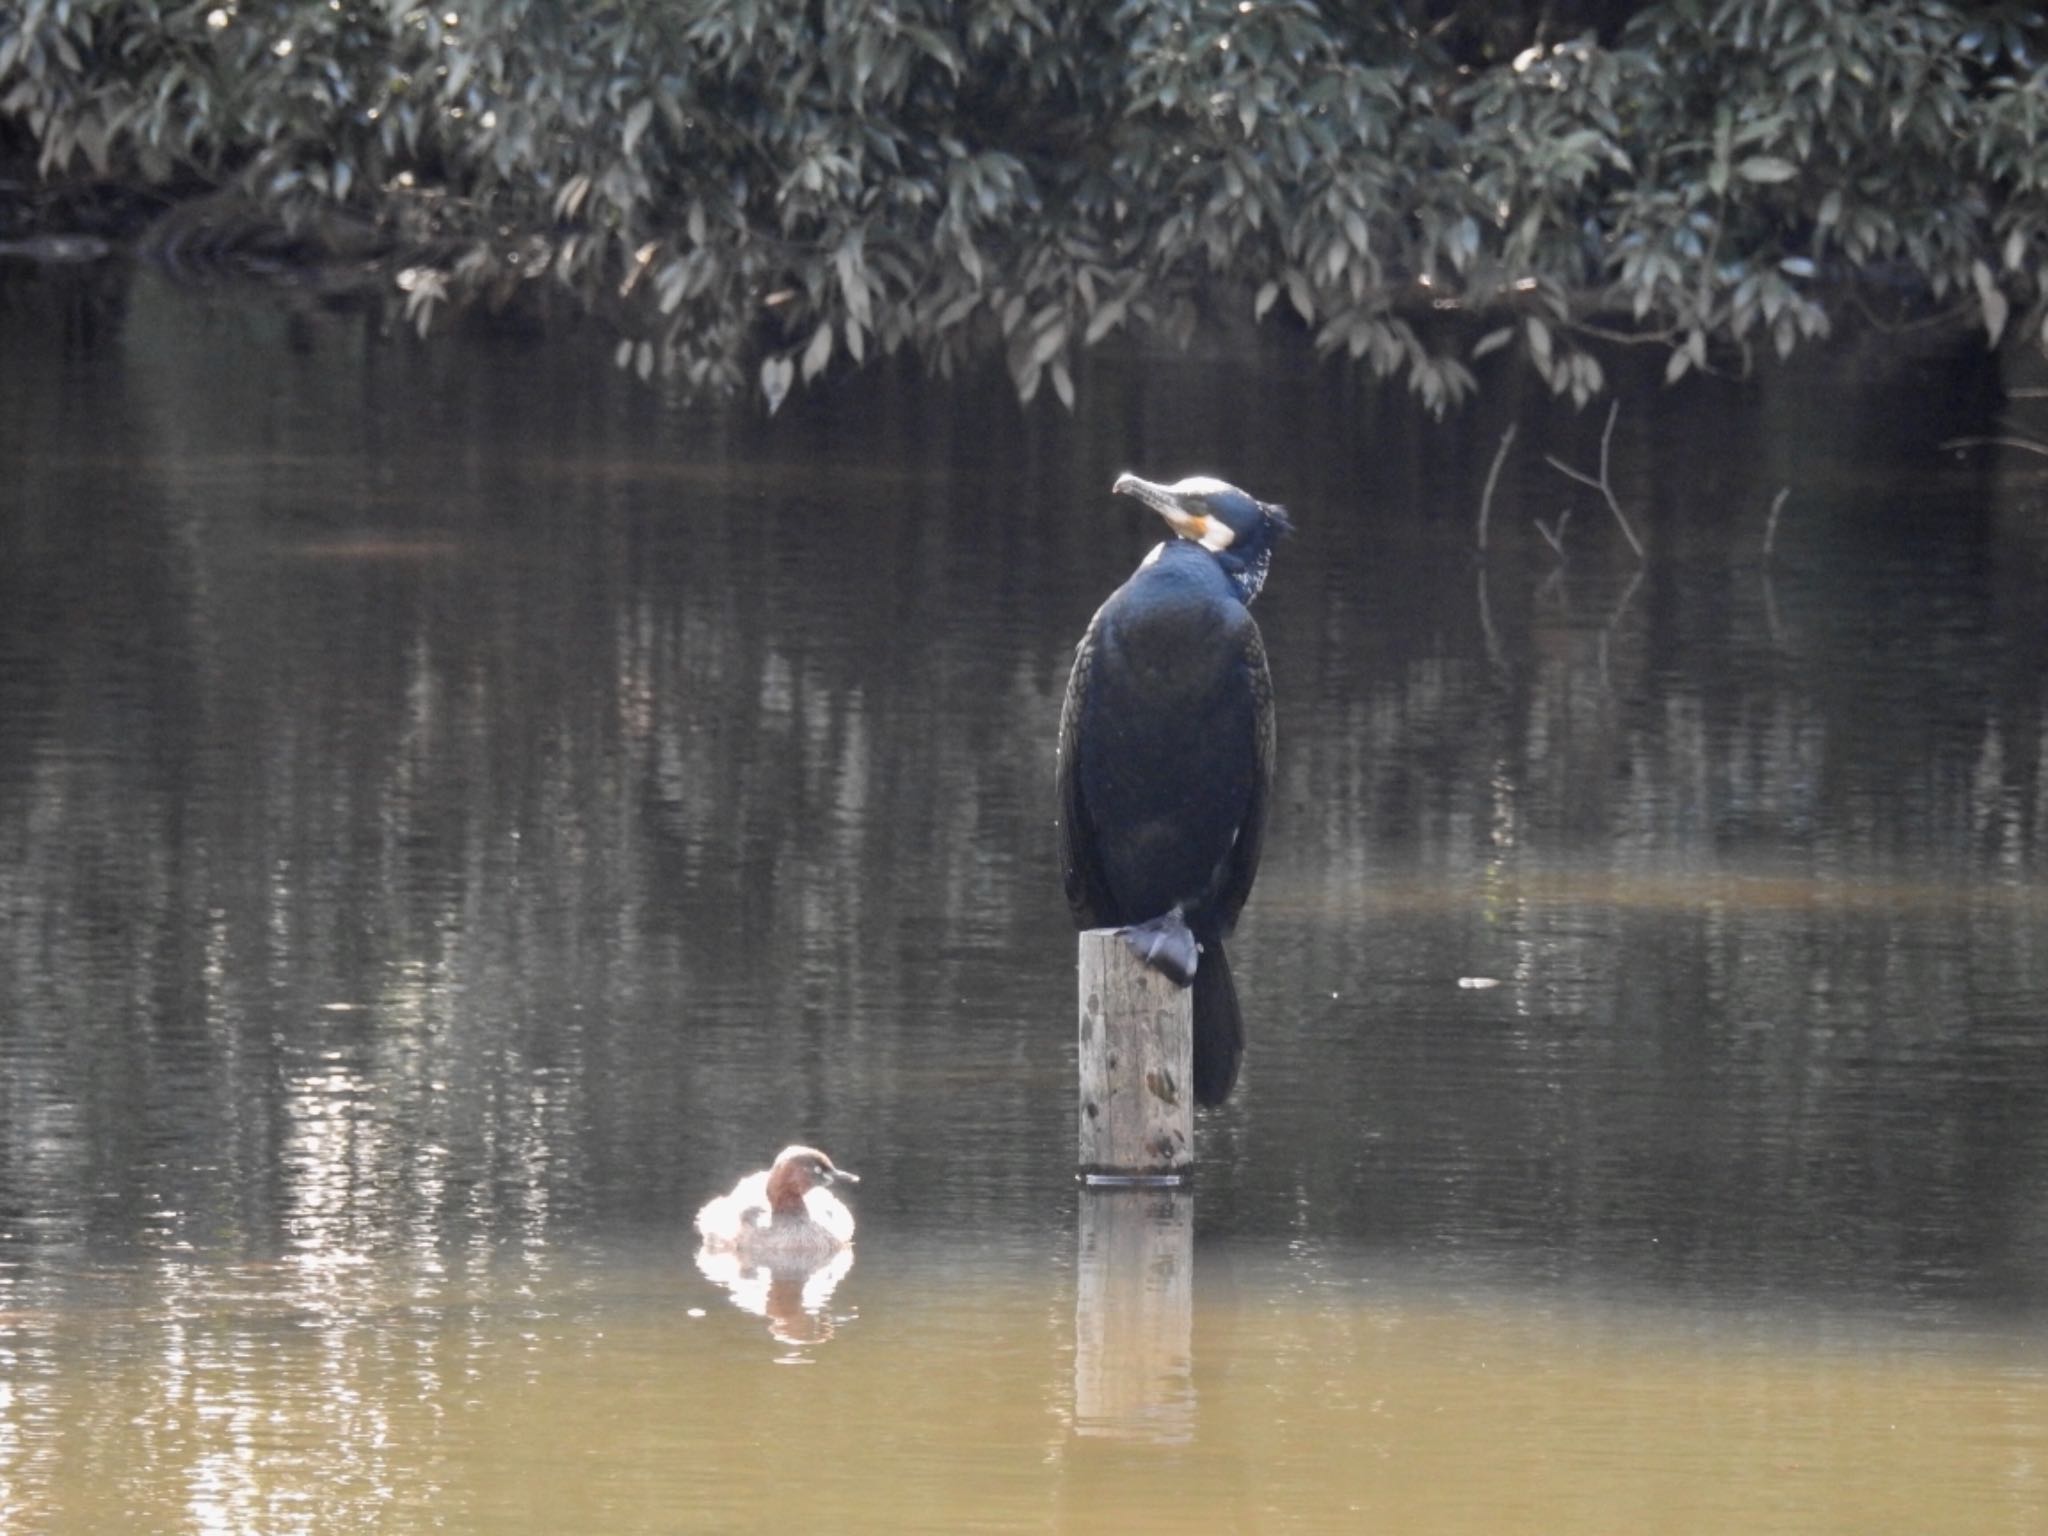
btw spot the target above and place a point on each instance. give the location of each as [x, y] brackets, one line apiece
[1246, 575]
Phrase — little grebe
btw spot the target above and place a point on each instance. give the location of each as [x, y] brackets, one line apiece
[783, 1215]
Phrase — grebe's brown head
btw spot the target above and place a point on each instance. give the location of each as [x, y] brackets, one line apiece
[798, 1171]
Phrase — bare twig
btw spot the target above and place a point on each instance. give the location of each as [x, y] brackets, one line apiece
[1940, 319]
[2026, 444]
[1554, 534]
[1627, 595]
[1658, 338]
[1486, 621]
[1492, 476]
[1603, 485]
[1771, 524]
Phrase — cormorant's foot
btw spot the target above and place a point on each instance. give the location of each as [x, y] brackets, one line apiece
[1168, 945]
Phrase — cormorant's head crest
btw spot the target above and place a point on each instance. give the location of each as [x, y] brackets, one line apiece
[1237, 528]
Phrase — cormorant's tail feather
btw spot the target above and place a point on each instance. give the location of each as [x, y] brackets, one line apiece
[1219, 1027]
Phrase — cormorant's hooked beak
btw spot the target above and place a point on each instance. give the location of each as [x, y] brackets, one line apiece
[1196, 526]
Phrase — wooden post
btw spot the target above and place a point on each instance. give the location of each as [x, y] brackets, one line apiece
[1137, 1068]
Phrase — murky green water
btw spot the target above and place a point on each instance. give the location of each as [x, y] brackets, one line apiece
[457, 813]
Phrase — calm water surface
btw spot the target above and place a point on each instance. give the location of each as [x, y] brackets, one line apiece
[458, 811]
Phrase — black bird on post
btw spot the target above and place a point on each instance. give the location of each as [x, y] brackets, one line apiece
[1166, 752]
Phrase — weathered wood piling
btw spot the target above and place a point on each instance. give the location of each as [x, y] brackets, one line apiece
[1137, 1068]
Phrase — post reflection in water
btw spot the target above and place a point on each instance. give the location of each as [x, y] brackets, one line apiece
[1134, 1314]
[451, 805]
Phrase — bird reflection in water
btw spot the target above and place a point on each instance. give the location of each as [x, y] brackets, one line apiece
[792, 1297]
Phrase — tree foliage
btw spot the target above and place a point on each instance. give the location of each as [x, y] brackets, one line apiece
[762, 190]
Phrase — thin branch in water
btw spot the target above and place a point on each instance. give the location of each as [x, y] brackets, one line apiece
[1493, 654]
[1492, 477]
[1627, 596]
[2026, 444]
[1603, 485]
[1554, 534]
[1771, 524]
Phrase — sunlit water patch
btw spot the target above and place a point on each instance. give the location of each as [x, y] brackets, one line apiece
[457, 813]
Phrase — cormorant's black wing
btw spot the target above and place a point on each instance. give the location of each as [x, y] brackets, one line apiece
[1080, 854]
[1251, 833]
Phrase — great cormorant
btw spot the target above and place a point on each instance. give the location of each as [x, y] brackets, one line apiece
[1166, 752]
